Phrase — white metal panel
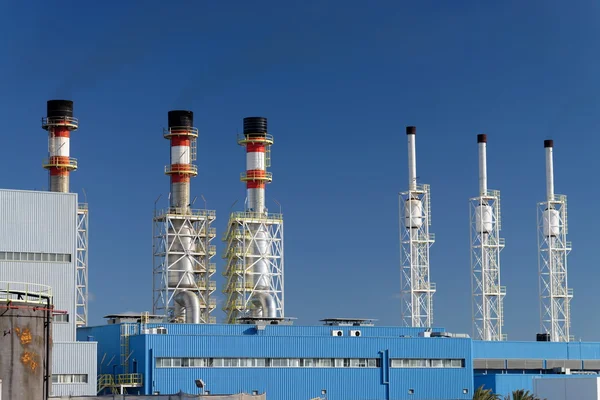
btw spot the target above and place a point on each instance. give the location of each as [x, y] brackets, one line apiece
[38, 221]
[75, 358]
[567, 388]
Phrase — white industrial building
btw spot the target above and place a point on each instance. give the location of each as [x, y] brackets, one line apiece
[38, 244]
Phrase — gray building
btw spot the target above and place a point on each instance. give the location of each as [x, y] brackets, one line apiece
[38, 244]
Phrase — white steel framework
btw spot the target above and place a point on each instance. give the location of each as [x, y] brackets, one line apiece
[81, 265]
[416, 288]
[173, 231]
[486, 244]
[555, 295]
[254, 239]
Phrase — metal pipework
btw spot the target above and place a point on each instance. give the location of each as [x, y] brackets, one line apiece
[59, 122]
[411, 132]
[482, 143]
[182, 133]
[548, 145]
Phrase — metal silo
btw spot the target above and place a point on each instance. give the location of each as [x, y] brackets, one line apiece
[25, 340]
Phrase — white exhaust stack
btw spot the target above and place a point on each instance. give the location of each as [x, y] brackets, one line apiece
[486, 244]
[555, 295]
[416, 289]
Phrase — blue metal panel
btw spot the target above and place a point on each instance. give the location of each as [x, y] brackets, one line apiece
[296, 342]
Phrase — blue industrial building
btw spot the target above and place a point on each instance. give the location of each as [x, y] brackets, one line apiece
[287, 362]
[333, 361]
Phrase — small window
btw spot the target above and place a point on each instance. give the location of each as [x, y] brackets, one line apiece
[61, 318]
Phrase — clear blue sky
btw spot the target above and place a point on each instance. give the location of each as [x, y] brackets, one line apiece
[338, 81]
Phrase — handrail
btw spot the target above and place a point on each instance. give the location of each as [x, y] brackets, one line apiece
[180, 131]
[58, 161]
[25, 292]
[60, 121]
[256, 176]
[184, 211]
[266, 138]
[181, 169]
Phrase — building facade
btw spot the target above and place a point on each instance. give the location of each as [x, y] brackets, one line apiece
[38, 244]
[290, 362]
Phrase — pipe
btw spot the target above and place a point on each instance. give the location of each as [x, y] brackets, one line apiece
[548, 145]
[188, 306]
[482, 143]
[411, 132]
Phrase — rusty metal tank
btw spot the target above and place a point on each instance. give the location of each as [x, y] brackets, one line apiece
[25, 340]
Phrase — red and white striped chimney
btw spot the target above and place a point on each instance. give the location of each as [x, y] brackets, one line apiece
[256, 177]
[59, 123]
[182, 134]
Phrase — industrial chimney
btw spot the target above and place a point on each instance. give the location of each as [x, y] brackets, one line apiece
[59, 123]
[415, 240]
[254, 254]
[486, 244]
[182, 235]
[555, 295]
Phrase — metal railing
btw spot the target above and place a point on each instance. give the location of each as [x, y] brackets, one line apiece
[266, 139]
[256, 176]
[130, 379]
[184, 211]
[60, 161]
[180, 131]
[24, 292]
[181, 169]
[71, 122]
[245, 215]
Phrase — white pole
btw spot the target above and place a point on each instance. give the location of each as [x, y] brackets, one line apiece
[482, 143]
[548, 145]
[412, 158]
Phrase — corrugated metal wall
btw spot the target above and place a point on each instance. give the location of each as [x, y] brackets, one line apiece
[42, 222]
[296, 383]
[74, 358]
[537, 350]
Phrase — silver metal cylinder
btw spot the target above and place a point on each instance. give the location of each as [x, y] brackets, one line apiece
[188, 306]
[59, 183]
[180, 194]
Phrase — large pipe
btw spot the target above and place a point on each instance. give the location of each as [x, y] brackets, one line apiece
[59, 123]
[482, 143]
[548, 145]
[188, 306]
[411, 132]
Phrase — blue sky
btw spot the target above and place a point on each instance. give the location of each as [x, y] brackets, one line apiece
[338, 81]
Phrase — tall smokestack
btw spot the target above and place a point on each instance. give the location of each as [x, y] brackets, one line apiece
[59, 123]
[255, 238]
[482, 143]
[255, 130]
[548, 146]
[411, 133]
[182, 133]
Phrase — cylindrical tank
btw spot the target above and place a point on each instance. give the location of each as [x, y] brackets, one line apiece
[59, 108]
[413, 213]
[483, 218]
[25, 345]
[551, 222]
[255, 126]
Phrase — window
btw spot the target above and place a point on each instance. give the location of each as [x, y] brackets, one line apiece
[269, 362]
[35, 257]
[69, 378]
[426, 363]
[61, 318]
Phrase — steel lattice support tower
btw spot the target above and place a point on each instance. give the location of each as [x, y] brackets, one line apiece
[59, 123]
[486, 244]
[415, 240]
[182, 250]
[254, 254]
[555, 295]
[82, 265]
